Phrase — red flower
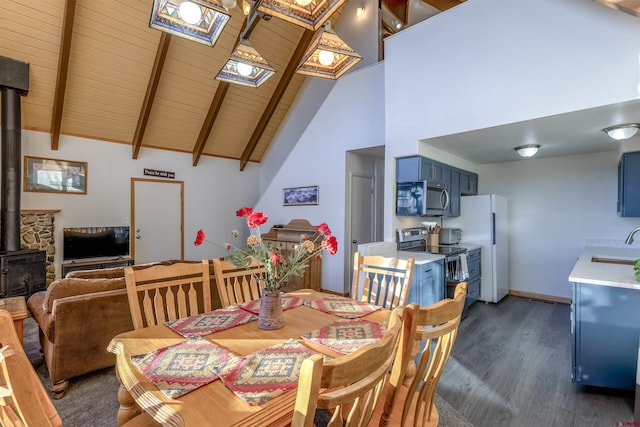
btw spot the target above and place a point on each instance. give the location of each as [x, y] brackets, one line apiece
[255, 219]
[324, 229]
[199, 238]
[244, 212]
[330, 244]
[274, 258]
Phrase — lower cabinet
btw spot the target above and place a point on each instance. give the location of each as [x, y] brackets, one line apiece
[427, 286]
[605, 326]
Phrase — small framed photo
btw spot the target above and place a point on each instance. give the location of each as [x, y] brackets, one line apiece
[54, 176]
[296, 196]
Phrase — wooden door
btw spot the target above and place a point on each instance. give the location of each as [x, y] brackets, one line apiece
[157, 212]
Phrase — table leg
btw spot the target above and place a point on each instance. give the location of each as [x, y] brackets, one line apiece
[128, 406]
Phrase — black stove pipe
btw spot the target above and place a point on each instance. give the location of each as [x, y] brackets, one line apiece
[11, 170]
[14, 82]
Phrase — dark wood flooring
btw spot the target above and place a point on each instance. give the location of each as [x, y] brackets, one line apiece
[510, 366]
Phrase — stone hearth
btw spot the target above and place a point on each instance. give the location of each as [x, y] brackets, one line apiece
[37, 232]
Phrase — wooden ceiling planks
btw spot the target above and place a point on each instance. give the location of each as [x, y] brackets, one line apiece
[632, 7]
[443, 5]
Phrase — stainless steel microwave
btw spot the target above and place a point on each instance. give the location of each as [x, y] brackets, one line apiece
[422, 198]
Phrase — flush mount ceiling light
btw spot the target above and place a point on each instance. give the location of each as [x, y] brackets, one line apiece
[528, 150]
[310, 14]
[245, 66]
[327, 56]
[201, 21]
[621, 132]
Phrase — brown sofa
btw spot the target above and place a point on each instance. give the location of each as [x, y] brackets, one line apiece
[78, 316]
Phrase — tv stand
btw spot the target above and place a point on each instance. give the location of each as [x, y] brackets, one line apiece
[95, 263]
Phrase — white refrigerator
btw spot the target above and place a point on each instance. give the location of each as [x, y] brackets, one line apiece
[484, 222]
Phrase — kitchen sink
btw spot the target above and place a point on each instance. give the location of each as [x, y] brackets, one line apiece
[607, 260]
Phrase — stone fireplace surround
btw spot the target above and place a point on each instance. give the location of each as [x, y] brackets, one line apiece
[37, 232]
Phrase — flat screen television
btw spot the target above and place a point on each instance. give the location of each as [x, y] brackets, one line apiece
[95, 242]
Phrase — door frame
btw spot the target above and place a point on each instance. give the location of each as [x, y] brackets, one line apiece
[133, 211]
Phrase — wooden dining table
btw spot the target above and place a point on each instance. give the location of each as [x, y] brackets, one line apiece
[214, 403]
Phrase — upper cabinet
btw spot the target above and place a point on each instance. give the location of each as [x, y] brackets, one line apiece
[629, 184]
[459, 182]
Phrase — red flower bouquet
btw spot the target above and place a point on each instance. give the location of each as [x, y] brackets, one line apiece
[279, 267]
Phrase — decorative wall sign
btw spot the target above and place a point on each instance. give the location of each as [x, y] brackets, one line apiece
[54, 175]
[161, 174]
[296, 196]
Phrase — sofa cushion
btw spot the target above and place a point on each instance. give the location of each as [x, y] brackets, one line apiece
[101, 273]
[73, 286]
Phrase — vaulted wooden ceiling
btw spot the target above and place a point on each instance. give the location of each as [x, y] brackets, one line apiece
[98, 71]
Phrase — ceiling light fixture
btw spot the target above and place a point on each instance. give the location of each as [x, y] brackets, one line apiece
[327, 56]
[621, 132]
[245, 66]
[360, 10]
[528, 150]
[246, 7]
[201, 21]
[310, 14]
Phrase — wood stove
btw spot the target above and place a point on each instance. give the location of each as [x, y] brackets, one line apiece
[22, 273]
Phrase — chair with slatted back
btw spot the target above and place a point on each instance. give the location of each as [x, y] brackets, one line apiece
[23, 399]
[436, 330]
[348, 386]
[237, 284]
[163, 293]
[383, 281]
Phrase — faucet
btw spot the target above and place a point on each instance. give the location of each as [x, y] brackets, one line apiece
[630, 236]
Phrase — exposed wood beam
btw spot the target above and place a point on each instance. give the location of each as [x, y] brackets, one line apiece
[212, 114]
[632, 7]
[443, 5]
[63, 70]
[218, 98]
[152, 87]
[287, 75]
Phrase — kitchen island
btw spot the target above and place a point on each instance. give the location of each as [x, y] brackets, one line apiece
[605, 318]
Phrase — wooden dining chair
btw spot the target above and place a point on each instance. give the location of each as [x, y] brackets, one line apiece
[382, 281]
[348, 386]
[436, 328]
[237, 284]
[23, 399]
[163, 293]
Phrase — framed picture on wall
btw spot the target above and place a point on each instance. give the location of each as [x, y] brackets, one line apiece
[296, 196]
[54, 175]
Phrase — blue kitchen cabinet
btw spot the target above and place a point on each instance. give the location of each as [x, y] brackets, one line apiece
[629, 184]
[605, 326]
[468, 183]
[427, 286]
[414, 168]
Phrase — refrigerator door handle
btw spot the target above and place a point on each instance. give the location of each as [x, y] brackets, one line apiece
[493, 228]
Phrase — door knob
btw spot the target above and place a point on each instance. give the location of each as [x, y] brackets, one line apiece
[138, 237]
[354, 241]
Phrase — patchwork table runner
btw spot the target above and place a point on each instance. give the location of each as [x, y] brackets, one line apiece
[343, 307]
[346, 336]
[183, 367]
[261, 376]
[288, 301]
[210, 322]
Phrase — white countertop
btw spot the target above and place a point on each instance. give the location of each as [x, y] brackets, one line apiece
[599, 273]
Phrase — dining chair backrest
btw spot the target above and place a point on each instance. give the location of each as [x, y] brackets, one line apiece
[23, 399]
[163, 293]
[436, 328]
[383, 281]
[237, 284]
[348, 386]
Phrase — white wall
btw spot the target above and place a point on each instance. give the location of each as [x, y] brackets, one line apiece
[555, 206]
[351, 117]
[491, 62]
[213, 190]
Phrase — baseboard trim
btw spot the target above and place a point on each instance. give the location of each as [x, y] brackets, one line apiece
[539, 296]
